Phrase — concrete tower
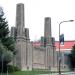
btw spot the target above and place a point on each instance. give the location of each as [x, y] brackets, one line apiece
[50, 48]
[20, 19]
[21, 56]
[47, 35]
[23, 45]
[47, 30]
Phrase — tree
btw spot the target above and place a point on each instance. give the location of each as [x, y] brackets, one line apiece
[6, 42]
[72, 58]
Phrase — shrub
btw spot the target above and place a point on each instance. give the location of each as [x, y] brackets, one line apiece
[12, 68]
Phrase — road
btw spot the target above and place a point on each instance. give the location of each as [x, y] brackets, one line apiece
[67, 73]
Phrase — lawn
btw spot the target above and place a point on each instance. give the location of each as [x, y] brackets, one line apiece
[30, 72]
[27, 73]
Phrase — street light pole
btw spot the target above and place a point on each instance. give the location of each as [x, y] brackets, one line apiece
[59, 45]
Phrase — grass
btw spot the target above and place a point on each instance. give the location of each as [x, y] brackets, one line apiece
[28, 73]
[34, 72]
[21, 73]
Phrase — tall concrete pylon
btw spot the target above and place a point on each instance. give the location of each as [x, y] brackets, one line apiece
[50, 49]
[23, 45]
[47, 29]
[47, 36]
[21, 57]
[20, 19]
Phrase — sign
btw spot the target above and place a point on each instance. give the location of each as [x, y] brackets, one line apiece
[62, 39]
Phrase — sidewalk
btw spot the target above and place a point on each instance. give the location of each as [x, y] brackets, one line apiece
[64, 73]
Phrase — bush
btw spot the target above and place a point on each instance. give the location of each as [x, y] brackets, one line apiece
[12, 68]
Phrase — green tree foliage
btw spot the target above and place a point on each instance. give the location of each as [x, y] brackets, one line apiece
[6, 43]
[73, 50]
[4, 34]
[72, 58]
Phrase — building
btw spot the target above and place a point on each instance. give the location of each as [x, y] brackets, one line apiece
[64, 50]
[28, 56]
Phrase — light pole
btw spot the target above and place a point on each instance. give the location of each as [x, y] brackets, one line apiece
[59, 58]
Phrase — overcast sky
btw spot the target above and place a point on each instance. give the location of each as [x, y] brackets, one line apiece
[37, 10]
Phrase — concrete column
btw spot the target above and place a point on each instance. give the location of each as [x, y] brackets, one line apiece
[42, 41]
[21, 57]
[49, 59]
[47, 30]
[62, 61]
[20, 19]
[13, 32]
[47, 36]
[27, 33]
[28, 50]
[29, 55]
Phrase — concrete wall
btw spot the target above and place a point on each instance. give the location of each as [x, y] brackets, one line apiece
[38, 57]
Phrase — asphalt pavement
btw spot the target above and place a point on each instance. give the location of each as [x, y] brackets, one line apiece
[66, 73]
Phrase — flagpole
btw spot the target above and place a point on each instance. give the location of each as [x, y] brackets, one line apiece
[59, 58]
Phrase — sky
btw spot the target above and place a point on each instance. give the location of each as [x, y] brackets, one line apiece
[37, 10]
